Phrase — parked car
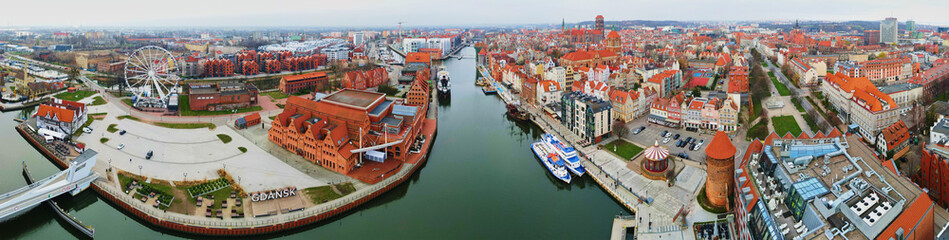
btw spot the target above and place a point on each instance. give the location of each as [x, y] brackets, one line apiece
[701, 142]
[87, 130]
[688, 139]
[683, 155]
[678, 142]
[664, 133]
[676, 136]
[692, 147]
[638, 130]
[692, 140]
[666, 140]
[122, 132]
[149, 154]
[121, 146]
[683, 144]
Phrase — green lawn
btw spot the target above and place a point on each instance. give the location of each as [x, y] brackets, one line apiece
[127, 117]
[243, 149]
[127, 101]
[224, 138]
[782, 89]
[112, 128]
[98, 100]
[321, 194]
[764, 64]
[184, 109]
[786, 124]
[275, 94]
[74, 96]
[758, 131]
[797, 104]
[811, 124]
[624, 149]
[103, 140]
[186, 125]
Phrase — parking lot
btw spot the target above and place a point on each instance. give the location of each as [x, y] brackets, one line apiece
[652, 133]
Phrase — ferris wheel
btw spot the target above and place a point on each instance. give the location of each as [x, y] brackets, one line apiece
[151, 74]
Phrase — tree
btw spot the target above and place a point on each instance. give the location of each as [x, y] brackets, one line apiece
[696, 92]
[882, 55]
[619, 128]
[73, 74]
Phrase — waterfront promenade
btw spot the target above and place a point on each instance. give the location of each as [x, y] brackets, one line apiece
[654, 204]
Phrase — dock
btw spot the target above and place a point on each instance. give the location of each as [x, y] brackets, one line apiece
[624, 227]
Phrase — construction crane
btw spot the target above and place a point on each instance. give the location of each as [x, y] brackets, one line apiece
[400, 28]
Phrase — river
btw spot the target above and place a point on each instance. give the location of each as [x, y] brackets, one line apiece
[481, 181]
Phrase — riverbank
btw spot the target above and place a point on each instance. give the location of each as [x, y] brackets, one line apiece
[110, 191]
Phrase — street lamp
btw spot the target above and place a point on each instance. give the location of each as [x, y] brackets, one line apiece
[140, 170]
[186, 176]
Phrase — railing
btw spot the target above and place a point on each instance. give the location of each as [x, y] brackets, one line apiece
[264, 221]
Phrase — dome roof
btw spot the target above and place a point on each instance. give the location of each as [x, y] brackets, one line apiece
[656, 152]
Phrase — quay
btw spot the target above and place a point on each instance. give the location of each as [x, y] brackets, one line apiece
[85, 229]
[76, 177]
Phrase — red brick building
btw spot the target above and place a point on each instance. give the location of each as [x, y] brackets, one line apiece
[309, 81]
[529, 91]
[221, 96]
[326, 132]
[738, 80]
[362, 80]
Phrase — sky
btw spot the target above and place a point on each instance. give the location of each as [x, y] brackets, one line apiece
[387, 13]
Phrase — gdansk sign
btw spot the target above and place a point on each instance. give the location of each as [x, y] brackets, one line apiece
[273, 194]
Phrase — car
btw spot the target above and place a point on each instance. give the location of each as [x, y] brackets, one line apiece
[149, 154]
[87, 130]
[701, 142]
[668, 134]
[664, 133]
[120, 147]
[688, 139]
[666, 140]
[676, 136]
[692, 147]
[683, 155]
[682, 143]
[122, 132]
[678, 142]
[692, 140]
[637, 131]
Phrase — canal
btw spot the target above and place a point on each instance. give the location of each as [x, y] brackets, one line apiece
[481, 182]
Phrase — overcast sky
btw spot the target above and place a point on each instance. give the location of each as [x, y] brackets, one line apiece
[383, 13]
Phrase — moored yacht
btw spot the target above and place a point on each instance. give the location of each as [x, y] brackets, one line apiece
[569, 154]
[552, 161]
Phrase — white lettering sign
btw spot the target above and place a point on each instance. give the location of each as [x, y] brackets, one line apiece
[273, 194]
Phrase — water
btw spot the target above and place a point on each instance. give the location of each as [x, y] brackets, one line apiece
[481, 182]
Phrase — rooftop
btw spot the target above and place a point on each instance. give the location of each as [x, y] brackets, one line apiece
[354, 98]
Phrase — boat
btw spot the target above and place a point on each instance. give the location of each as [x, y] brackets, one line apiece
[516, 112]
[444, 83]
[488, 89]
[569, 154]
[552, 161]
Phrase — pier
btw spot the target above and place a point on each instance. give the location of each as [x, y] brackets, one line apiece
[88, 230]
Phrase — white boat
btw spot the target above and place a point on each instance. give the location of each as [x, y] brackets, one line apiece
[443, 83]
[569, 154]
[552, 161]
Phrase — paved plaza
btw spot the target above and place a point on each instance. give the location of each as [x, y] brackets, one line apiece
[194, 154]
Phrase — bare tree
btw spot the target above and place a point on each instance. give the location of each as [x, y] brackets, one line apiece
[619, 128]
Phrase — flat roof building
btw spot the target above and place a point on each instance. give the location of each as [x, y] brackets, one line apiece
[826, 186]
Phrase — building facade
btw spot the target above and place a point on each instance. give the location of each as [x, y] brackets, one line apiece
[221, 96]
[587, 116]
[314, 81]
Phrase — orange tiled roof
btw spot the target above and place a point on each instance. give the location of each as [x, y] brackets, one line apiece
[60, 114]
[862, 89]
[720, 147]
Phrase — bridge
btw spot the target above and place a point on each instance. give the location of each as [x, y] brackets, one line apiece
[72, 180]
[89, 231]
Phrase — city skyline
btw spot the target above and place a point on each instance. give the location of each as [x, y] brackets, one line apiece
[287, 13]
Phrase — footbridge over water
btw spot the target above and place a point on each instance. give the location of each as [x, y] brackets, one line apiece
[72, 180]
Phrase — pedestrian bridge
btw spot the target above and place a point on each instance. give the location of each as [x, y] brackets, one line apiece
[72, 180]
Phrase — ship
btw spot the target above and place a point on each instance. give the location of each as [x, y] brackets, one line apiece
[489, 89]
[552, 161]
[444, 83]
[515, 111]
[569, 154]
